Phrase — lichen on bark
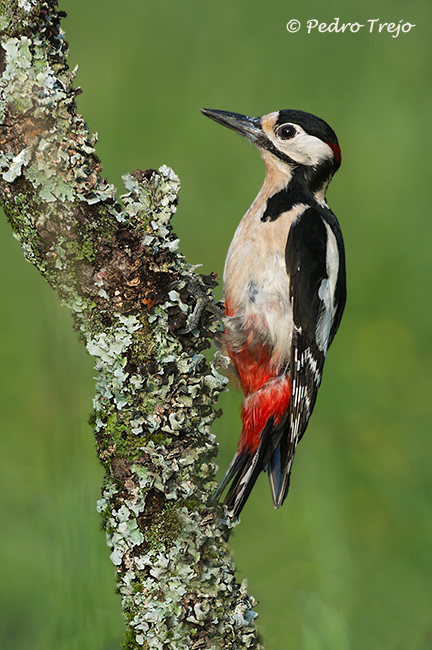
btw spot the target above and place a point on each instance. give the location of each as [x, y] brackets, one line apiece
[116, 266]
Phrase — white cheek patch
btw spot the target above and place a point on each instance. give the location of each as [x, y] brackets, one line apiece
[305, 149]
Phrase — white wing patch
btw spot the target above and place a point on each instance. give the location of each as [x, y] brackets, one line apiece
[325, 317]
[326, 292]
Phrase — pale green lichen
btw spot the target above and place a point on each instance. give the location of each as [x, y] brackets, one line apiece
[16, 165]
[109, 348]
[29, 81]
[27, 5]
[163, 577]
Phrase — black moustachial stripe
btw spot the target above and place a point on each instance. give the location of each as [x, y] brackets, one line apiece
[283, 201]
[312, 178]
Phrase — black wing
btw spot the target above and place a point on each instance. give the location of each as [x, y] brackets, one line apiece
[315, 263]
[247, 465]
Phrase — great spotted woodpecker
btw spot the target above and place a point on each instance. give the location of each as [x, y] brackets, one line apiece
[284, 294]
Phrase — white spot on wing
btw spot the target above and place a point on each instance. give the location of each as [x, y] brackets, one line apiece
[326, 292]
[332, 264]
[325, 317]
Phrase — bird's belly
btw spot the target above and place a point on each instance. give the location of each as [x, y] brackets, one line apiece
[256, 293]
[256, 282]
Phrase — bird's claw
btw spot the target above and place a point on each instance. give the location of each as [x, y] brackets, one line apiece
[203, 301]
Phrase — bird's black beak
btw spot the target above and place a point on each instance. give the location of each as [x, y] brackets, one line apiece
[250, 127]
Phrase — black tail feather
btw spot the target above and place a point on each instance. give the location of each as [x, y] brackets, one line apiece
[279, 470]
[247, 465]
[244, 480]
[235, 466]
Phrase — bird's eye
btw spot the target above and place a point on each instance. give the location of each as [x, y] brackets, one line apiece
[286, 132]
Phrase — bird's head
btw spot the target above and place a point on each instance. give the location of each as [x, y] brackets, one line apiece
[294, 139]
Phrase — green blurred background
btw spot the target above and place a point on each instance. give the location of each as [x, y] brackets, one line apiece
[346, 564]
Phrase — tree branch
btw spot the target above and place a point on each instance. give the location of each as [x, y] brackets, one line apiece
[117, 268]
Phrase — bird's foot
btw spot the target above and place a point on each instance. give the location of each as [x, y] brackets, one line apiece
[203, 301]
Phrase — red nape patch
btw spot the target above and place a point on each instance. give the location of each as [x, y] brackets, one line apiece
[336, 151]
[272, 400]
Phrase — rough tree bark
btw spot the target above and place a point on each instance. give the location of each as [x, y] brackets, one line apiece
[117, 268]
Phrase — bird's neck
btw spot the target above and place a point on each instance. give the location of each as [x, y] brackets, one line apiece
[294, 184]
[288, 186]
